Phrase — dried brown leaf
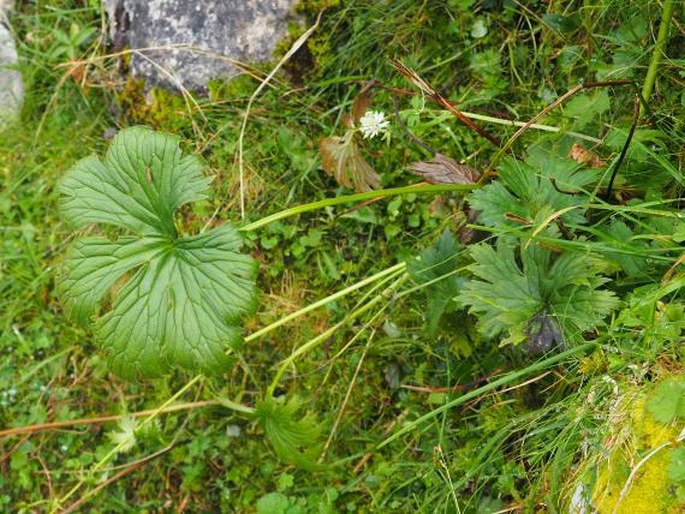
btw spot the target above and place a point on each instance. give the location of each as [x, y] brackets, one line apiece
[363, 101]
[587, 157]
[342, 159]
[445, 170]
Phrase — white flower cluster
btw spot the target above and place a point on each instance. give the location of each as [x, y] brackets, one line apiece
[372, 124]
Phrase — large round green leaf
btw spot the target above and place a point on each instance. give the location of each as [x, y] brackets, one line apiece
[158, 300]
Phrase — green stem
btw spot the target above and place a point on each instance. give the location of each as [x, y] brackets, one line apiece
[324, 301]
[510, 377]
[316, 341]
[118, 447]
[238, 407]
[650, 79]
[359, 197]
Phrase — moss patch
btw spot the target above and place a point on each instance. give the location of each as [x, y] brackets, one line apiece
[157, 108]
[653, 488]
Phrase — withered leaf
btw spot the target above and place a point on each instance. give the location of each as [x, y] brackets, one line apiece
[342, 159]
[587, 157]
[445, 170]
[363, 101]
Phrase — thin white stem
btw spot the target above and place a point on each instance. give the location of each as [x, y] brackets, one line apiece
[512, 123]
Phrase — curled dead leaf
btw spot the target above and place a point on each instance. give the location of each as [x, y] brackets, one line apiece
[587, 157]
[445, 170]
[341, 158]
[363, 101]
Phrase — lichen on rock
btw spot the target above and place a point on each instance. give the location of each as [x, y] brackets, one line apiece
[177, 44]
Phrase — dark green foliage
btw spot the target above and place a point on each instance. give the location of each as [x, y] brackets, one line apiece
[623, 238]
[526, 192]
[509, 298]
[436, 270]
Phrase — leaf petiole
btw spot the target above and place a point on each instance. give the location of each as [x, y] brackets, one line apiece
[358, 197]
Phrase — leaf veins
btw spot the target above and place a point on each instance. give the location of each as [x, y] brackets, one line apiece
[159, 300]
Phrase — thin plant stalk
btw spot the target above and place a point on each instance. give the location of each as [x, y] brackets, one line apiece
[536, 126]
[507, 379]
[643, 461]
[393, 271]
[358, 197]
[346, 399]
[556, 103]
[294, 48]
[30, 429]
[388, 271]
[118, 447]
[126, 471]
[655, 61]
[316, 341]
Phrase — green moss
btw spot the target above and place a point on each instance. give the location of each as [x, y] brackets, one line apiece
[631, 440]
[314, 6]
[158, 108]
[241, 86]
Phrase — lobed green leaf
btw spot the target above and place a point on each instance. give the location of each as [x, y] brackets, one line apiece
[142, 181]
[509, 297]
[159, 301]
[533, 190]
[436, 269]
[294, 438]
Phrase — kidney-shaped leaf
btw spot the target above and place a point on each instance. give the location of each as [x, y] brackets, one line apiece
[160, 300]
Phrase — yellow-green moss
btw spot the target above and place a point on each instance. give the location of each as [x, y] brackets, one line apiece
[158, 108]
[652, 490]
[314, 6]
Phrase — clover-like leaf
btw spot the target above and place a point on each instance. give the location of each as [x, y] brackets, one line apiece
[159, 300]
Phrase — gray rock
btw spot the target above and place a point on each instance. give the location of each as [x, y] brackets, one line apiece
[198, 39]
[11, 83]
